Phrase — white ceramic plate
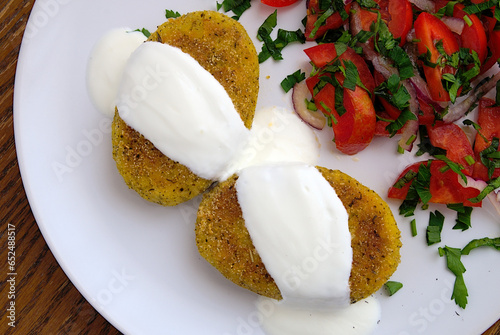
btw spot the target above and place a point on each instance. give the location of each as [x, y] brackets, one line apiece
[137, 262]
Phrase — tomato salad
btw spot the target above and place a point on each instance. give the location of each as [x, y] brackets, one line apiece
[406, 69]
[411, 69]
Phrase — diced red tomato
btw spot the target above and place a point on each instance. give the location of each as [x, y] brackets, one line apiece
[367, 17]
[473, 36]
[323, 54]
[401, 21]
[429, 30]
[359, 122]
[391, 110]
[426, 115]
[454, 140]
[489, 120]
[278, 3]
[444, 187]
[313, 14]
[397, 14]
[355, 129]
[493, 38]
[380, 127]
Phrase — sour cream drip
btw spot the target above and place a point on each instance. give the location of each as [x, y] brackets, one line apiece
[170, 99]
[357, 319]
[299, 228]
[105, 66]
[277, 136]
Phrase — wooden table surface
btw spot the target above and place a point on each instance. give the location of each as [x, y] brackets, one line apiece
[46, 302]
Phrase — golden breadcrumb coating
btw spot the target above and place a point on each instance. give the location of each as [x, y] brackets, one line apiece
[221, 46]
[224, 241]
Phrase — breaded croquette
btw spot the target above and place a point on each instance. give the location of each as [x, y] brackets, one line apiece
[224, 241]
[221, 46]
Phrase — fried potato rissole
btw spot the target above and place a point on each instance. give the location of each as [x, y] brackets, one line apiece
[221, 46]
[224, 241]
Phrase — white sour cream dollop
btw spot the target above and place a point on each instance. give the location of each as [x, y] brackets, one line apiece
[299, 227]
[277, 136]
[168, 97]
[105, 66]
[360, 318]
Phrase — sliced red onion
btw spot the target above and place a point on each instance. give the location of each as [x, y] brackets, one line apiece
[346, 2]
[478, 184]
[425, 5]
[457, 111]
[494, 198]
[381, 64]
[411, 35]
[455, 24]
[356, 25]
[418, 83]
[423, 93]
[315, 119]
[410, 129]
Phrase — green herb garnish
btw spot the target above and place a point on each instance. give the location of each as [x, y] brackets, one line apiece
[392, 287]
[413, 226]
[418, 191]
[463, 220]
[169, 14]
[425, 145]
[492, 185]
[455, 265]
[489, 157]
[238, 7]
[144, 31]
[272, 48]
[292, 79]
[436, 221]
[482, 242]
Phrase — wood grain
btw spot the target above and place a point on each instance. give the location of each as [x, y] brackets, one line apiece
[46, 301]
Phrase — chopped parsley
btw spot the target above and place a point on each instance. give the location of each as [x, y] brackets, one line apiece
[490, 157]
[326, 9]
[272, 48]
[397, 95]
[492, 185]
[425, 145]
[468, 66]
[413, 226]
[482, 242]
[408, 177]
[446, 10]
[238, 7]
[455, 265]
[478, 8]
[436, 221]
[388, 46]
[463, 220]
[292, 79]
[418, 191]
[351, 74]
[170, 14]
[457, 168]
[392, 287]
[339, 90]
[144, 31]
